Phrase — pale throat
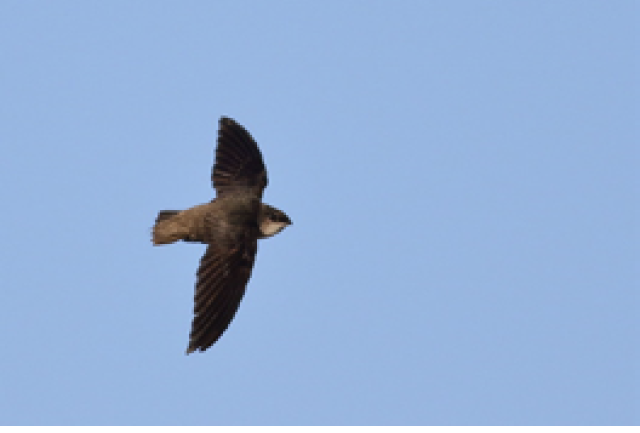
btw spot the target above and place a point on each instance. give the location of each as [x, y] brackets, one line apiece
[270, 228]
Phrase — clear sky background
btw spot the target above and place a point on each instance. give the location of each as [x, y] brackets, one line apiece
[462, 177]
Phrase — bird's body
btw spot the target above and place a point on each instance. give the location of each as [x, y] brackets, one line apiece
[230, 225]
[219, 221]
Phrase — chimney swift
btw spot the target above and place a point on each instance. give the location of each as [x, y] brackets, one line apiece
[230, 225]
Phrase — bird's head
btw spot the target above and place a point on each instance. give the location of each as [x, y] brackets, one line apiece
[272, 221]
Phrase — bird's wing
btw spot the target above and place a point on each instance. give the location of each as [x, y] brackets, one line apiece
[238, 161]
[221, 281]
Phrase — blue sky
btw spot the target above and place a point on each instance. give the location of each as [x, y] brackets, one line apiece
[462, 177]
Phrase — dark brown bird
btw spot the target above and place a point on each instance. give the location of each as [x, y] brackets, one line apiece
[230, 225]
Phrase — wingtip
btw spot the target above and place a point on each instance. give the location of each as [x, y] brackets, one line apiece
[226, 120]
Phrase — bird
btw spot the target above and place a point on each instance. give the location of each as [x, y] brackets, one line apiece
[230, 225]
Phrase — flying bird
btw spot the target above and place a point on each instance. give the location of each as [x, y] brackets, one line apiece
[230, 225]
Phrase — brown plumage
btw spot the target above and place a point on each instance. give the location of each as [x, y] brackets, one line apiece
[230, 225]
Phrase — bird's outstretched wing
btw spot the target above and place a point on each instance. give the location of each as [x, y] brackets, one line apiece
[238, 161]
[221, 281]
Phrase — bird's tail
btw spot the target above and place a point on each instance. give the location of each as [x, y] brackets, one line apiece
[167, 228]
